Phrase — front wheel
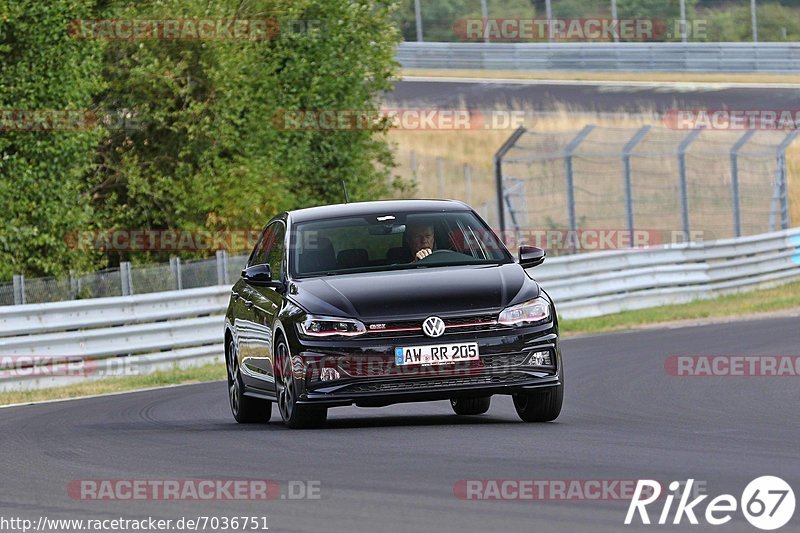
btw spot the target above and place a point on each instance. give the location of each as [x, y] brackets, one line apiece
[470, 406]
[294, 415]
[540, 406]
[245, 409]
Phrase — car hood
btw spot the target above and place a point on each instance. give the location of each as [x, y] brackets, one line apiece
[417, 292]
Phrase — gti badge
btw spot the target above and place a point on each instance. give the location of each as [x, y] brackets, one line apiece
[433, 326]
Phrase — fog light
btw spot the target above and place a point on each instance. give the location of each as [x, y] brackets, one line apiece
[328, 374]
[540, 359]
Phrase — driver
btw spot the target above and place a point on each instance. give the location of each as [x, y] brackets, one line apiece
[420, 240]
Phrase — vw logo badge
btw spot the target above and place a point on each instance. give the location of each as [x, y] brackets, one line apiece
[433, 326]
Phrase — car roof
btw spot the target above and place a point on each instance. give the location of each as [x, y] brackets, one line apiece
[378, 207]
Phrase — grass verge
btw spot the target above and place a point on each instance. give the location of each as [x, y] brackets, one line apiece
[569, 75]
[747, 303]
[212, 372]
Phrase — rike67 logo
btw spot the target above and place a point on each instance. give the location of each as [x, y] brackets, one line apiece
[767, 503]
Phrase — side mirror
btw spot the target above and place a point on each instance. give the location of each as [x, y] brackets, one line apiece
[531, 256]
[260, 276]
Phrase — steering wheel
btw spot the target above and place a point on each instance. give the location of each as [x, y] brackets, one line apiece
[434, 252]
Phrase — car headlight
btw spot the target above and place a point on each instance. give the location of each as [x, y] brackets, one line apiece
[528, 312]
[330, 326]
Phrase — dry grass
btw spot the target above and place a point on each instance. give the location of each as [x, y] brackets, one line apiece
[476, 148]
[793, 167]
[687, 77]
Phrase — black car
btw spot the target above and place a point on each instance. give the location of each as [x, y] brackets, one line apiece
[338, 306]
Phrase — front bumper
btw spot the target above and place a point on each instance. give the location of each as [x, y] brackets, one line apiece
[367, 376]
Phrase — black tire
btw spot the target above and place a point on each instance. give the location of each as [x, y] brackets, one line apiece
[471, 406]
[541, 406]
[245, 410]
[294, 416]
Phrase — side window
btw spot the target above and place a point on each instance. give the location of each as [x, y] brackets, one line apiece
[265, 249]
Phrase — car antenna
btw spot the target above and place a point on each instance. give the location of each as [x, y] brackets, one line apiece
[344, 188]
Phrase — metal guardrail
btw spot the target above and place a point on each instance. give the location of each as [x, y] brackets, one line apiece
[596, 284]
[673, 57]
[104, 337]
[143, 333]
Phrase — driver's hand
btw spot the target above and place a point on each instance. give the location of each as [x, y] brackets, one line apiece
[425, 252]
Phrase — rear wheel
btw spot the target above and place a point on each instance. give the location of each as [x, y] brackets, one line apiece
[471, 406]
[294, 415]
[540, 406]
[245, 409]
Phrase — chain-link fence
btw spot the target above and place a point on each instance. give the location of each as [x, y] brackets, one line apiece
[439, 177]
[721, 183]
[126, 280]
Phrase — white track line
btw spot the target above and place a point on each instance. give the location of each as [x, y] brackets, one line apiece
[39, 402]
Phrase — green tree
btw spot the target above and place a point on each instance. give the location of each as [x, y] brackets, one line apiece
[207, 152]
[41, 193]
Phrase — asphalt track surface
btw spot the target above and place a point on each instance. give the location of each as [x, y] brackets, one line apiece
[394, 468]
[585, 97]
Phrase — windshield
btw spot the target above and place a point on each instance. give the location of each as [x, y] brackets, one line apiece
[388, 241]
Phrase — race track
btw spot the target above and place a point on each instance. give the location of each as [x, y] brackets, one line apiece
[606, 97]
[393, 469]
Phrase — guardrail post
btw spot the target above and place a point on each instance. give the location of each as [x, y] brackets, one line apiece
[498, 177]
[737, 218]
[626, 165]
[126, 278]
[781, 178]
[19, 289]
[468, 183]
[440, 175]
[682, 148]
[568, 152]
[175, 268]
[222, 271]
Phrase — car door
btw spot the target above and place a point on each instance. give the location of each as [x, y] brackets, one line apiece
[265, 302]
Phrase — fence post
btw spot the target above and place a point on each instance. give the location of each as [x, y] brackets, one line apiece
[684, 188]
[19, 289]
[498, 176]
[73, 286]
[781, 179]
[440, 175]
[414, 164]
[737, 214]
[175, 268]
[626, 164]
[222, 271]
[568, 151]
[126, 278]
[468, 183]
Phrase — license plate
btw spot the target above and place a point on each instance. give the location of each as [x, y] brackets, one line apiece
[436, 354]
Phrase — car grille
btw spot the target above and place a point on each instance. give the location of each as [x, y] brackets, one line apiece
[413, 328]
[417, 384]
